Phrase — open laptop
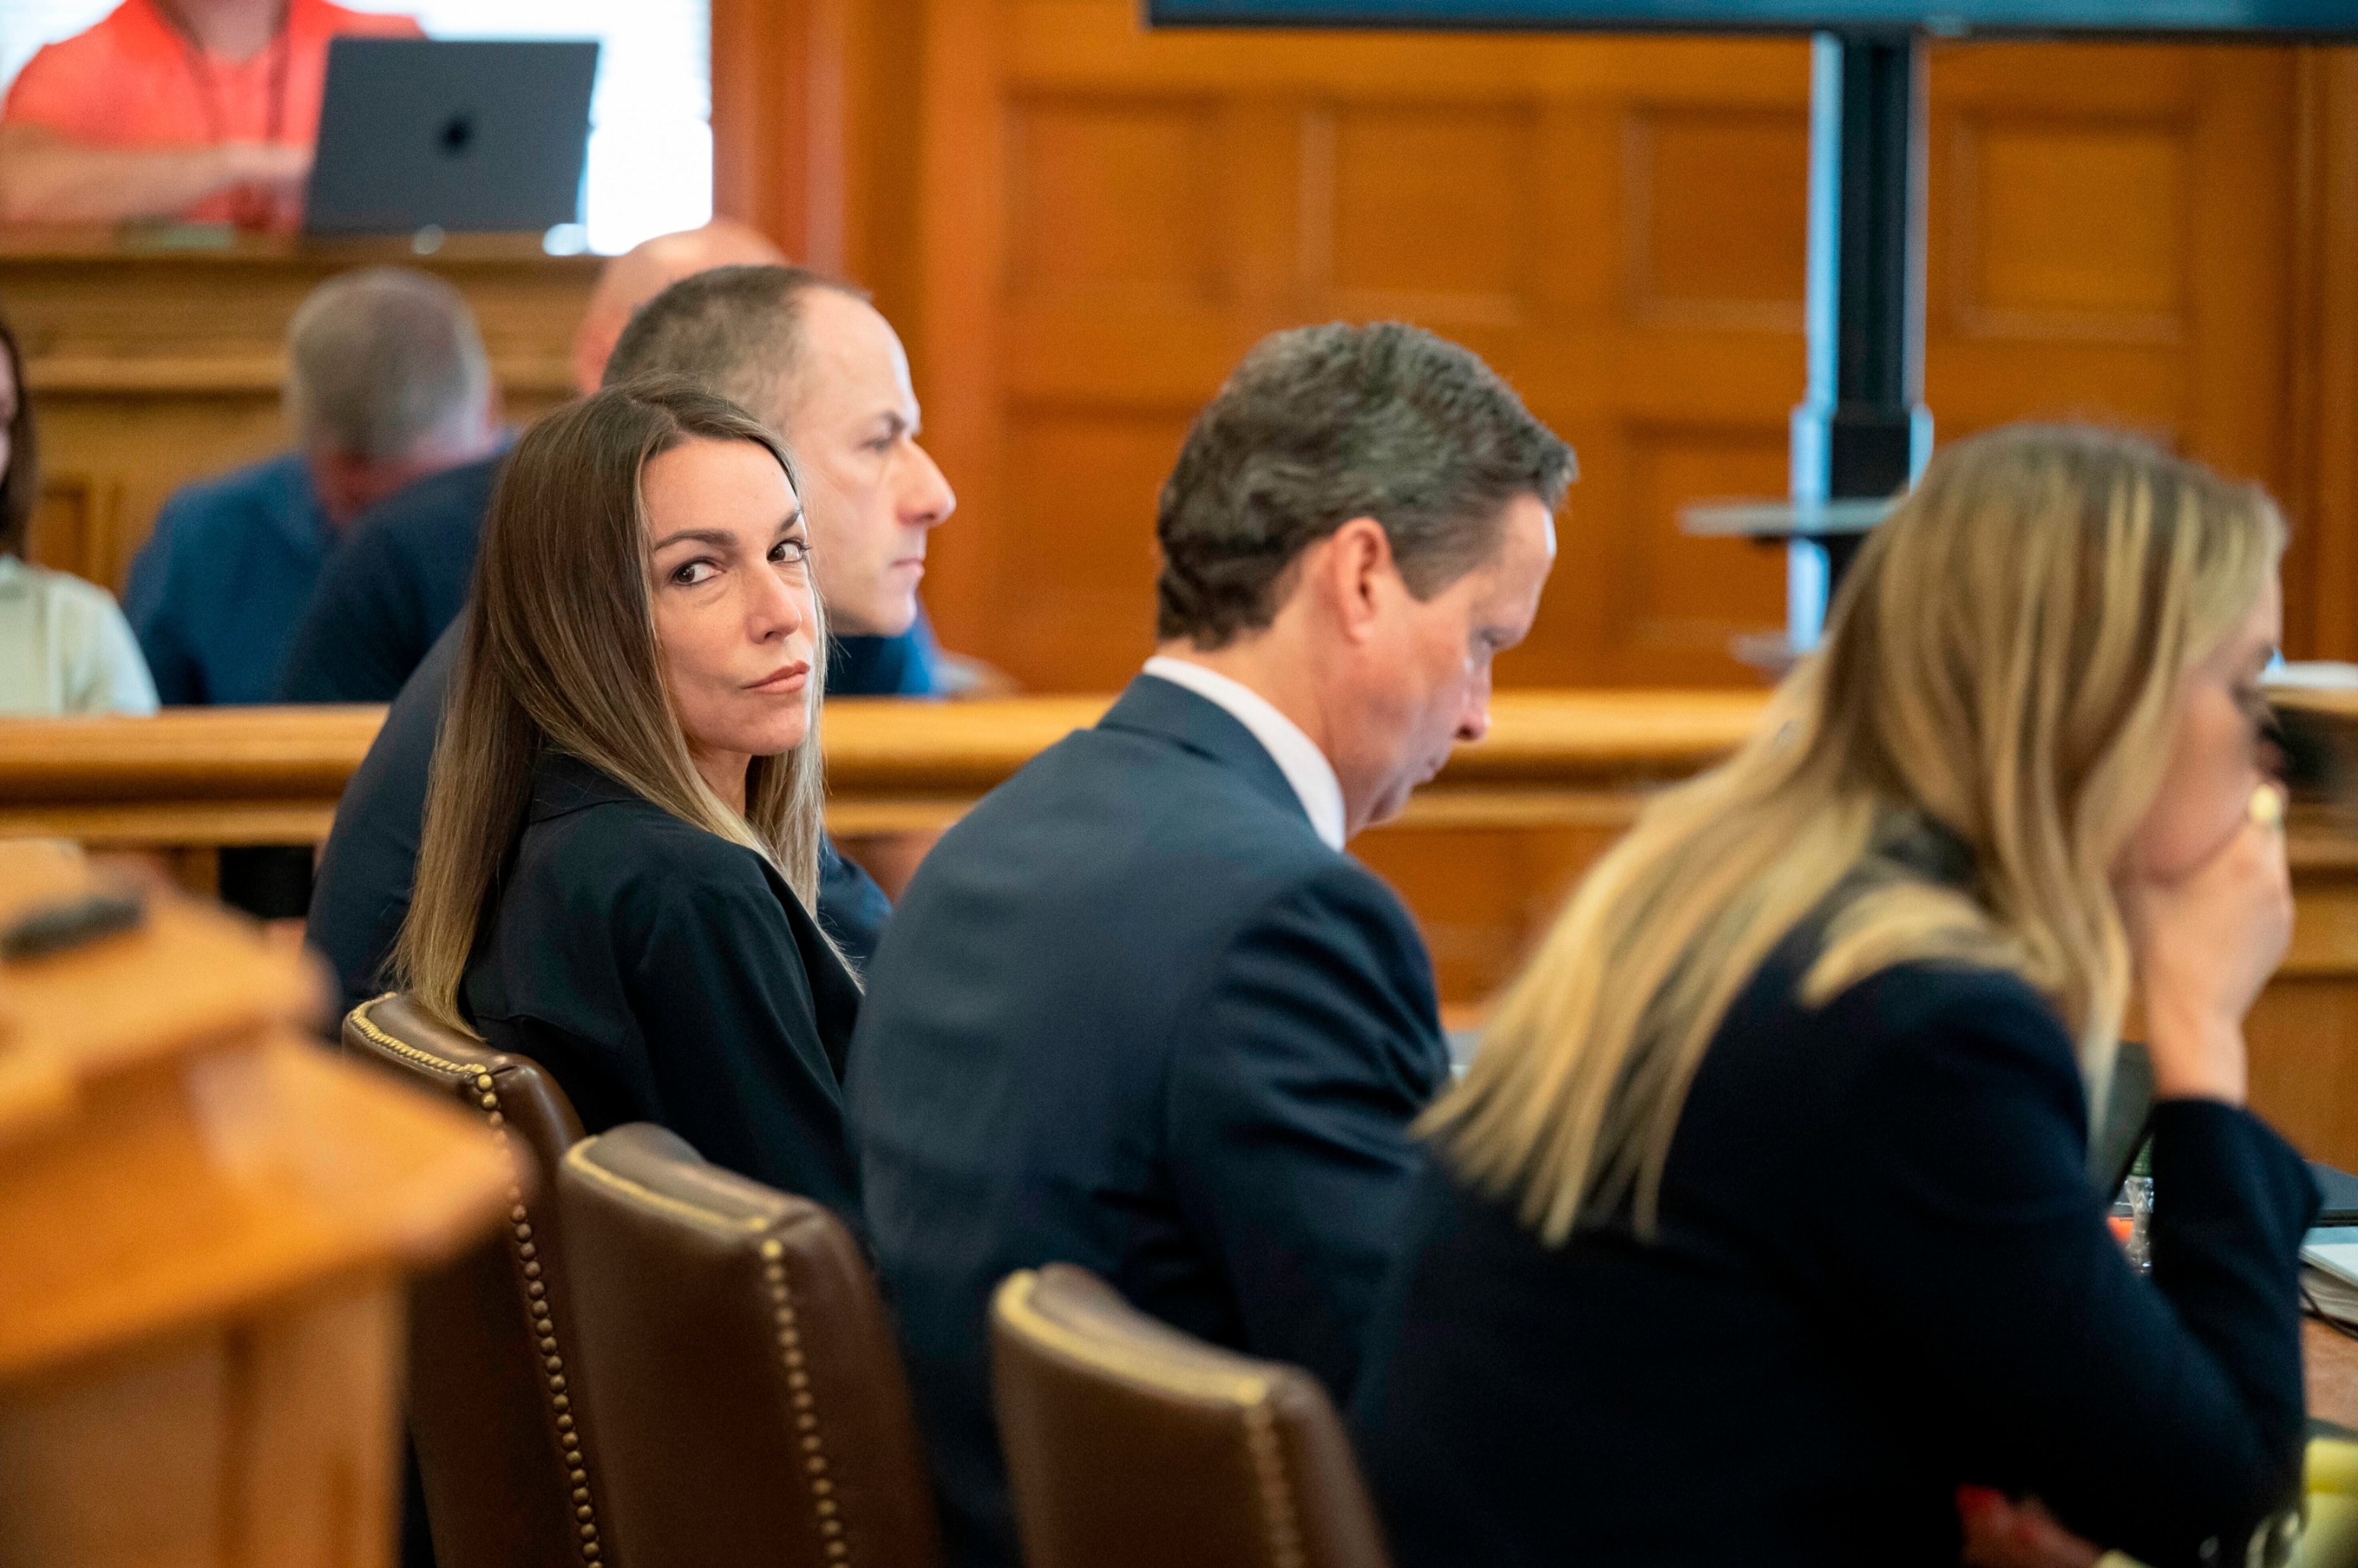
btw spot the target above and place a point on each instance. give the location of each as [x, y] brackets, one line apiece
[464, 135]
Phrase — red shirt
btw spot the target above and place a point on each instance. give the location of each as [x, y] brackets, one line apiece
[136, 81]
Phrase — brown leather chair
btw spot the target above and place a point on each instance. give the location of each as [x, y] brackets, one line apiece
[749, 1398]
[505, 1451]
[1130, 1444]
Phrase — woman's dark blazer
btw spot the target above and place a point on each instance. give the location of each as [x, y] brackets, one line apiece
[1882, 1271]
[664, 974]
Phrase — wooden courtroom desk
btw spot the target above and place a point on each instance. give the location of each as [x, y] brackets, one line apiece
[150, 368]
[1483, 854]
[206, 1221]
[2330, 1361]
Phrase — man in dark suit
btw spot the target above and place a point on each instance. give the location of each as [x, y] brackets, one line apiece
[1139, 1010]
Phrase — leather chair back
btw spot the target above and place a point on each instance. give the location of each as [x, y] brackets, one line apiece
[1130, 1444]
[504, 1451]
[748, 1394]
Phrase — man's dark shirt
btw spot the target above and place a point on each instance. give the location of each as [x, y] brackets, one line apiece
[409, 566]
[218, 591]
[402, 580]
[884, 666]
[370, 862]
[1132, 1014]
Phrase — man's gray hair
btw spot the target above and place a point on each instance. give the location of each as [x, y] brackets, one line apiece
[734, 332]
[382, 360]
[1321, 424]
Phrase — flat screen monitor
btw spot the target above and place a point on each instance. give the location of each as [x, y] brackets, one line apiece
[467, 135]
[1940, 18]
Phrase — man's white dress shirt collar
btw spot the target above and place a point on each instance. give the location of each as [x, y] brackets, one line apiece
[1297, 756]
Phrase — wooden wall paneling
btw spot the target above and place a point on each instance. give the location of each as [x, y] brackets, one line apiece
[2243, 220]
[960, 246]
[149, 372]
[2321, 564]
[883, 127]
[817, 129]
[2304, 1072]
[778, 122]
[127, 454]
[74, 524]
[2110, 230]
[1483, 896]
[2303, 1031]
[1162, 202]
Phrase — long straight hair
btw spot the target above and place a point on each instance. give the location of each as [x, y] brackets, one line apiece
[2001, 664]
[560, 655]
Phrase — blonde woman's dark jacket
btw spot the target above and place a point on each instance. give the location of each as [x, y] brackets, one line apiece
[1882, 1271]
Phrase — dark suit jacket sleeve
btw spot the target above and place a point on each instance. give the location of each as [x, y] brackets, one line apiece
[719, 989]
[1292, 1089]
[363, 634]
[2150, 1420]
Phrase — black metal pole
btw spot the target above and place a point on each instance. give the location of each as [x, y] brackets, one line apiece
[1862, 430]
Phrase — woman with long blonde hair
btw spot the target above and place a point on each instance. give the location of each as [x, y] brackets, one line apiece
[1762, 1230]
[621, 844]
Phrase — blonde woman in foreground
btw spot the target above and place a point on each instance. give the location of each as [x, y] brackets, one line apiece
[1762, 1230]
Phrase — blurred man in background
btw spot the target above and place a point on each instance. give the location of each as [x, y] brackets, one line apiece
[386, 383]
[646, 270]
[404, 577]
[204, 110]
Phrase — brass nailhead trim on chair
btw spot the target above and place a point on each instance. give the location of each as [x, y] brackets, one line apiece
[1247, 1392]
[790, 1355]
[525, 1255]
[1284, 1532]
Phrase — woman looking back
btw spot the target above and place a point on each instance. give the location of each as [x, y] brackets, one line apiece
[1762, 1222]
[621, 850]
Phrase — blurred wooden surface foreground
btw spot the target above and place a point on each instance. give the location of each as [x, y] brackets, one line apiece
[1080, 226]
[204, 1222]
[1484, 855]
[151, 369]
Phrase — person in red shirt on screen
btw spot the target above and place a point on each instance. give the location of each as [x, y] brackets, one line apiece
[198, 109]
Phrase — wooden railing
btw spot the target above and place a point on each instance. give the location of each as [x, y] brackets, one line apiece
[201, 777]
[1579, 761]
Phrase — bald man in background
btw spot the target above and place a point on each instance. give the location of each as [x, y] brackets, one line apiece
[403, 575]
[646, 270]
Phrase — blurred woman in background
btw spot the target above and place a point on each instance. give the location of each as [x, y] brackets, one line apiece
[64, 645]
[1762, 1229]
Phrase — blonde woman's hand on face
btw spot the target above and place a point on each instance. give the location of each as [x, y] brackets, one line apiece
[2202, 884]
[2204, 944]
